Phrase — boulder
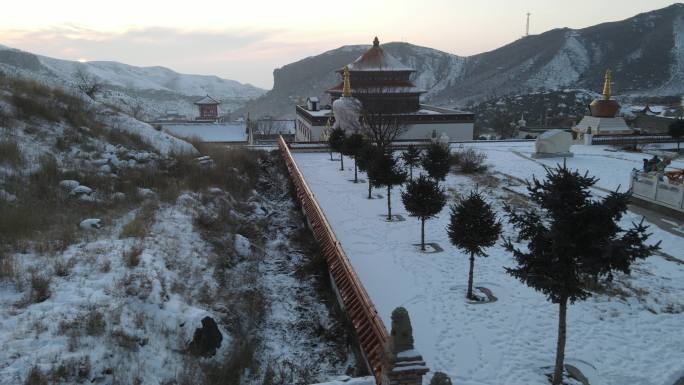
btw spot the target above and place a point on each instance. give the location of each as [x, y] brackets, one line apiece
[90, 224]
[69, 184]
[242, 245]
[206, 338]
[81, 190]
[553, 143]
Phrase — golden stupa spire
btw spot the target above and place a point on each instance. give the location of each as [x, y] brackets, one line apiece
[606, 86]
[346, 88]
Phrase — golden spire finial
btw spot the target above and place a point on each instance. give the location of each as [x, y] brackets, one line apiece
[606, 86]
[346, 88]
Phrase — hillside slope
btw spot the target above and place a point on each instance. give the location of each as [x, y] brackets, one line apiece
[153, 90]
[645, 52]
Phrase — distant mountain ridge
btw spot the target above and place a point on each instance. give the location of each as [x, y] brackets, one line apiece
[645, 53]
[157, 88]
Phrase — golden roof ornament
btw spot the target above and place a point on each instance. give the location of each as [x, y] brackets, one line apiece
[606, 86]
[346, 88]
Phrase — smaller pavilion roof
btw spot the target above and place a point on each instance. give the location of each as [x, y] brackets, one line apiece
[207, 100]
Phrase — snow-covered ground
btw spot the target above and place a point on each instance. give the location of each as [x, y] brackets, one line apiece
[634, 337]
[209, 132]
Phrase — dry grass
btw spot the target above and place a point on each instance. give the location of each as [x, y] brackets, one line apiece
[140, 224]
[40, 287]
[131, 258]
[10, 153]
[95, 323]
[7, 267]
[36, 377]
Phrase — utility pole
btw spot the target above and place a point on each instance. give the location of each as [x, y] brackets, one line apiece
[527, 26]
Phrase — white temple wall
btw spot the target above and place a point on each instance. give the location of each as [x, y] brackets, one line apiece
[422, 131]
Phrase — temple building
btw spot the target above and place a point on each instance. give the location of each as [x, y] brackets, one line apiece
[377, 83]
[208, 109]
[603, 119]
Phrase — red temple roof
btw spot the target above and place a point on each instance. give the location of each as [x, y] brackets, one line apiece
[376, 59]
[208, 100]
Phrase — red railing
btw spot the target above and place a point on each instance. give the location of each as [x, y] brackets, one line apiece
[370, 330]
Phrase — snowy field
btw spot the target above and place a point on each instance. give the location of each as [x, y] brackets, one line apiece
[634, 337]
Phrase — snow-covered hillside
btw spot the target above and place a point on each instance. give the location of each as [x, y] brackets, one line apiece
[128, 258]
[645, 53]
[148, 91]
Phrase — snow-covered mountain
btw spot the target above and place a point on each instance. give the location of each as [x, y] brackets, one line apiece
[645, 52]
[155, 90]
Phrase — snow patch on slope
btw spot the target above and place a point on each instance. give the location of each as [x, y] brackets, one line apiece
[566, 67]
[676, 82]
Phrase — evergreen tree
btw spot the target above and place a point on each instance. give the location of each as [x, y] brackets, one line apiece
[385, 171]
[676, 130]
[436, 161]
[424, 199]
[351, 147]
[572, 239]
[364, 160]
[473, 227]
[411, 157]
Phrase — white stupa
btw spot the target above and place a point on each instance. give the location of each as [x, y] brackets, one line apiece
[347, 109]
[603, 119]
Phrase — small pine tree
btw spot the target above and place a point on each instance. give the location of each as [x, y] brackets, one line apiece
[424, 199]
[676, 130]
[411, 158]
[336, 141]
[385, 171]
[364, 160]
[351, 147]
[572, 239]
[473, 227]
[436, 161]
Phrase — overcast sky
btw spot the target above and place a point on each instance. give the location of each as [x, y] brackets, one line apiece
[245, 40]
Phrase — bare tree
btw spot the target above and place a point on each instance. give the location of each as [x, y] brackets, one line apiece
[382, 129]
[87, 83]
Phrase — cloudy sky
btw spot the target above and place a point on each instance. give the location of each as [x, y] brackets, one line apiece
[245, 40]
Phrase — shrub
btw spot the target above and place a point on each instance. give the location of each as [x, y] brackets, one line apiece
[469, 160]
[95, 323]
[131, 257]
[61, 268]
[35, 377]
[7, 270]
[40, 288]
[10, 153]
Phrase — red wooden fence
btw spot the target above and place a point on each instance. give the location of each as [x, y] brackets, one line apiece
[370, 330]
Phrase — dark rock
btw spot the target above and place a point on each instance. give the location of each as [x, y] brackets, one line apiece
[440, 379]
[206, 339]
